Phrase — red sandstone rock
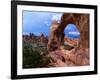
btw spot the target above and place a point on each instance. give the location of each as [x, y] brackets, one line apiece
[81, 54]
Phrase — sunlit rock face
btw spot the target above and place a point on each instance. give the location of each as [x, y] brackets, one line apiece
[80, 54]
[53, 39]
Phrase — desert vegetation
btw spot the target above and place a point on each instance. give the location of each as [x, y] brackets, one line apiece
[35, 52]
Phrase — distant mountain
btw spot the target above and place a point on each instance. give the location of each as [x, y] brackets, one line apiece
[72, 42]
[72, 36]
[31, 37]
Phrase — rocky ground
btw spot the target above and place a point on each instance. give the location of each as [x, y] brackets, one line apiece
[63, 57]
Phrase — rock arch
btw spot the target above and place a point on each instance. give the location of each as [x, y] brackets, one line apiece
[80, 54]
[82, 23]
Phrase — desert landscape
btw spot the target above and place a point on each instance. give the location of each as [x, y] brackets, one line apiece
[58, 50]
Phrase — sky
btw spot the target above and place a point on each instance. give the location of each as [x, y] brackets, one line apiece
[40, 22]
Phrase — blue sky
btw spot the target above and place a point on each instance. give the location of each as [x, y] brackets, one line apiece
[39, 22]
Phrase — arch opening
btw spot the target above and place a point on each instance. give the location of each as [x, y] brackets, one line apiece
[72, 36]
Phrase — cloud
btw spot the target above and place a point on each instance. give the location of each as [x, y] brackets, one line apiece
[37, 33]
[25, 33]
[46, 23]
[57, 17]
[74, 33]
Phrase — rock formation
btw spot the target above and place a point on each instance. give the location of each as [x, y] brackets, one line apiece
[53, 39]
[80, 54]
[82, 23]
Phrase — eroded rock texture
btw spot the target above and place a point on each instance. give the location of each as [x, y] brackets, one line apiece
[80, 55]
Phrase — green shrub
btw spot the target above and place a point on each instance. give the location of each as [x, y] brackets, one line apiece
[32, 57]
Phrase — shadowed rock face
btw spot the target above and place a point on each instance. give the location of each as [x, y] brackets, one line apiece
[82, 23]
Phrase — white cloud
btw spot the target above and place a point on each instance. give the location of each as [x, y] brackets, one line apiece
[46, 23]
[25, 33]
[37, 33]
[57, 17]
[74, 33]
